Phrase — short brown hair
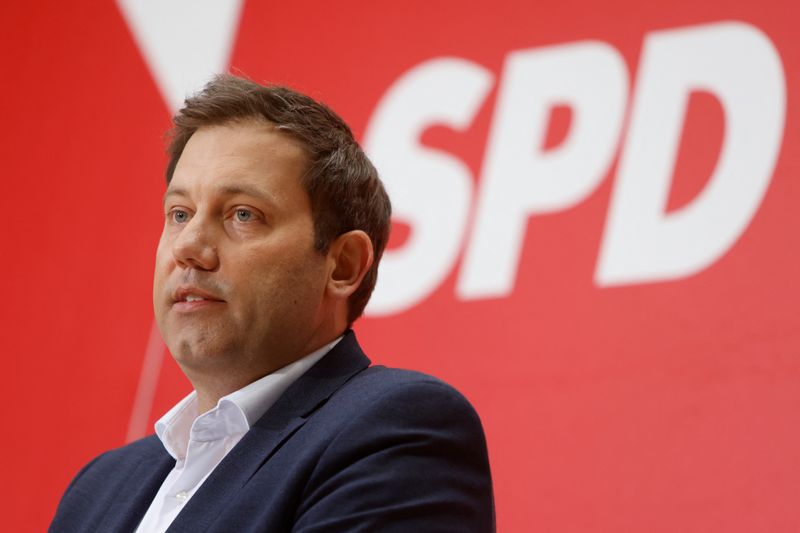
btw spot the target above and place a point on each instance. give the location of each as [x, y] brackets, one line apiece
[343, 186]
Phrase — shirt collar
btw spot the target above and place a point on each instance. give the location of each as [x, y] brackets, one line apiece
[234, 413]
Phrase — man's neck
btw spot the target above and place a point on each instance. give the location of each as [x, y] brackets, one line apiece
[213, 386]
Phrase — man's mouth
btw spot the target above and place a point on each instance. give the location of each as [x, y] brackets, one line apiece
[188, 298]
[192, 298]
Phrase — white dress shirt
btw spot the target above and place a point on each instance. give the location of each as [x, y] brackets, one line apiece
[199, 443]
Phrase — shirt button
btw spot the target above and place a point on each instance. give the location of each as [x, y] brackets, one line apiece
[182, 496]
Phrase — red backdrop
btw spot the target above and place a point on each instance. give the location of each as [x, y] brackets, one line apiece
[632, 374]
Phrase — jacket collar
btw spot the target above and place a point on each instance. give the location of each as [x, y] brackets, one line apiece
[315, 386]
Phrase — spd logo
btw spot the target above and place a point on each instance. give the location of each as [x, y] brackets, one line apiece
[432, 191]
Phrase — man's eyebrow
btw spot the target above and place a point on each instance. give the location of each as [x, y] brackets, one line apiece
[229, 190]
[247, 190]
[174, 191]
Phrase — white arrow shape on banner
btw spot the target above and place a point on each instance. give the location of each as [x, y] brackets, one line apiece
[184, 42]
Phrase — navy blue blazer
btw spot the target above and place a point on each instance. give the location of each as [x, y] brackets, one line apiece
[348, 447]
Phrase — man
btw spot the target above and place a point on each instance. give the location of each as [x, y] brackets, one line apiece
[275, 222]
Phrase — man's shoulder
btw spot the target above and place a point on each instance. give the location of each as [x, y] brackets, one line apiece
[383, 395]
[378, 380]
[352, 387]
[394, 450]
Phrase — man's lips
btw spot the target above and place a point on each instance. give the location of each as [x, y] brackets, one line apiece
[188, 298]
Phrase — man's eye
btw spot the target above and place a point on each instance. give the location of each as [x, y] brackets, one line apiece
[179, 216]
[244, 215]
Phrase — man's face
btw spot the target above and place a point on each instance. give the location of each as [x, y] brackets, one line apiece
[239, 288]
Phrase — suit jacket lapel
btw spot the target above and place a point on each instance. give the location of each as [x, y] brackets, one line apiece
[137, 493]
[277, 425]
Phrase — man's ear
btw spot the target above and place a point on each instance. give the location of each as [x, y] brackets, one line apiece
[350, 256]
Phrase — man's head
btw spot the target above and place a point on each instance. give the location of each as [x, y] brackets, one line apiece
[274, 224]
[340, 180]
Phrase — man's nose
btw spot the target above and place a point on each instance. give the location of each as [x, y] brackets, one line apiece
[195, 246]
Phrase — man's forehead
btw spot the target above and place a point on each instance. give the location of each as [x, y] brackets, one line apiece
[249, 157]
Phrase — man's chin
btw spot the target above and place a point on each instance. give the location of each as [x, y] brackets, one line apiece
[198, 355]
